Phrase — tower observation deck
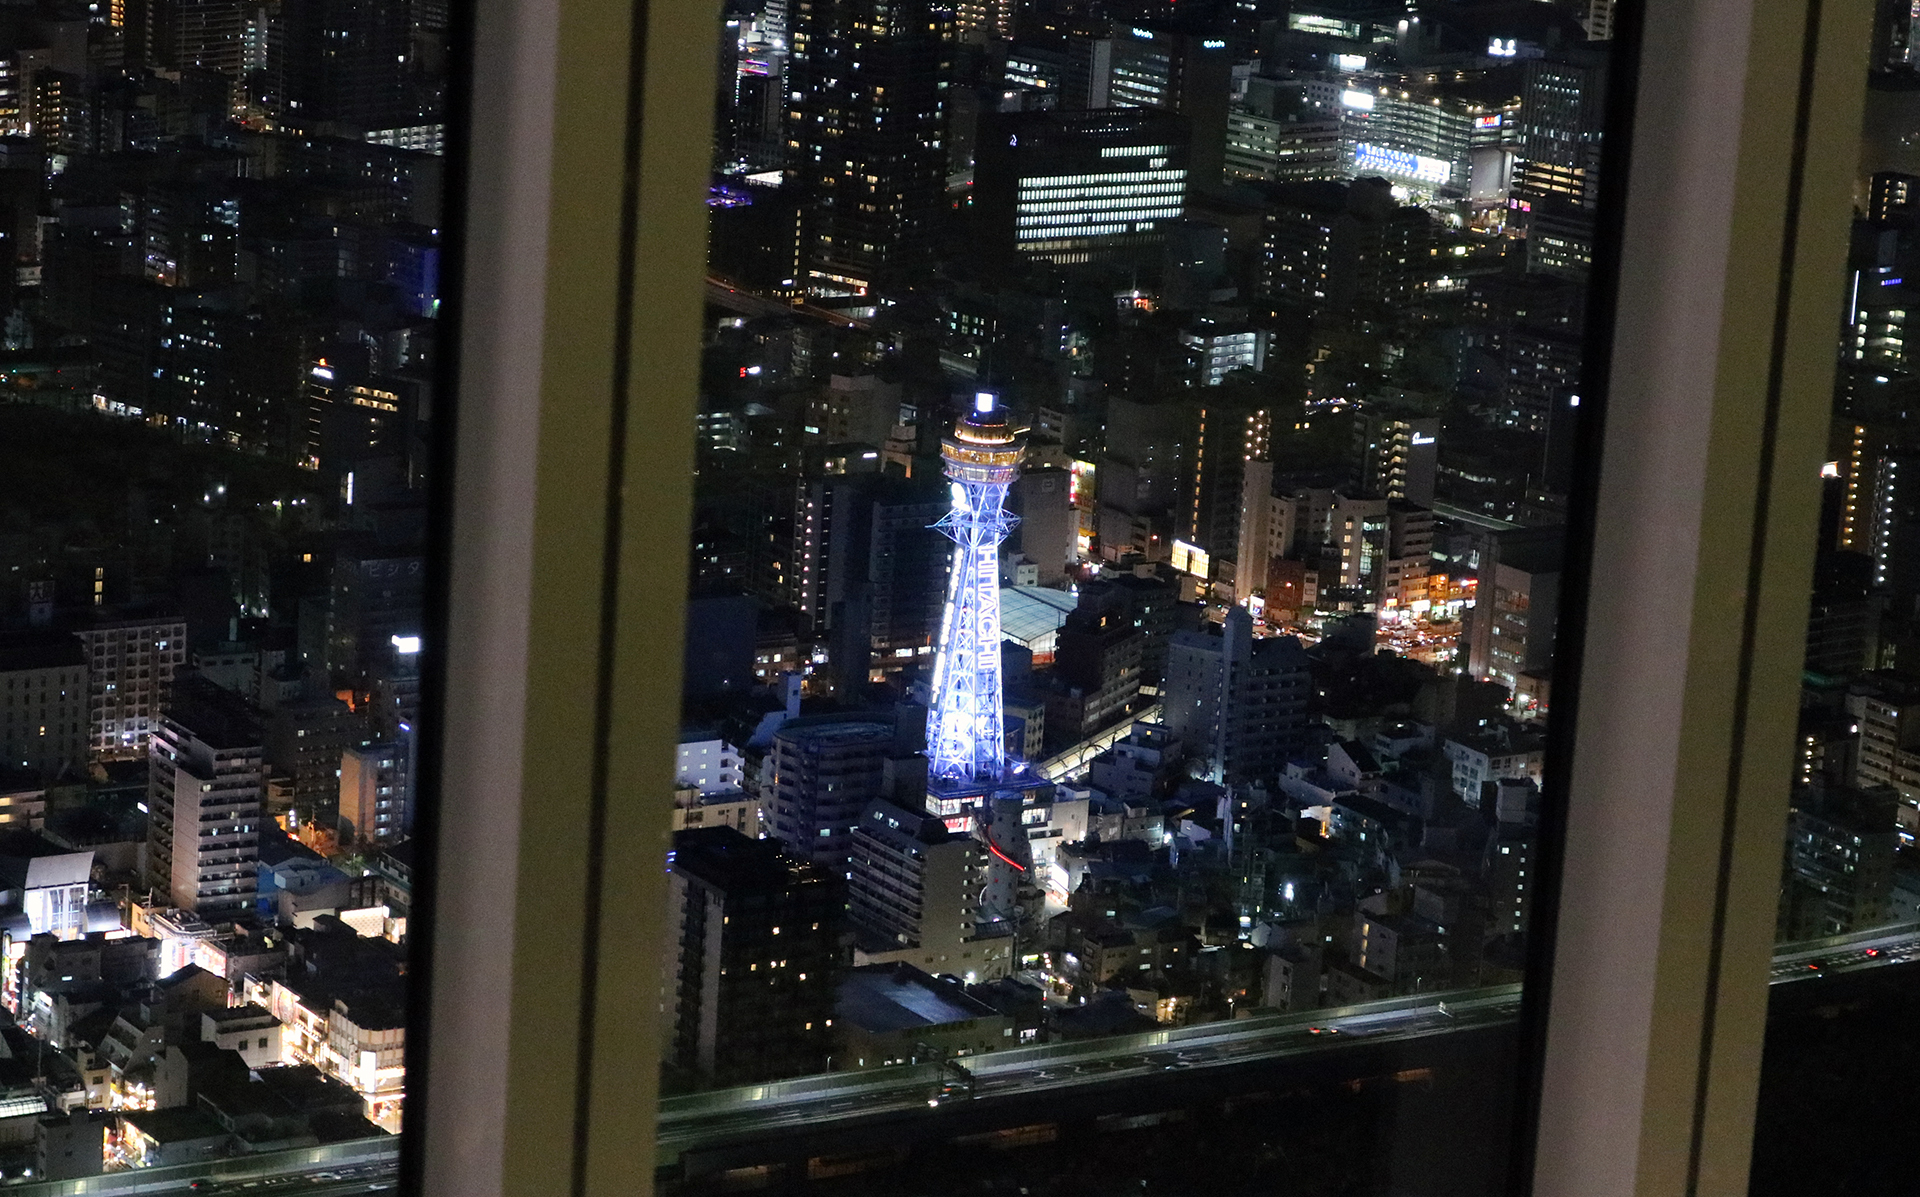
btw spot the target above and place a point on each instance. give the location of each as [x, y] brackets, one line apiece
[966, 737]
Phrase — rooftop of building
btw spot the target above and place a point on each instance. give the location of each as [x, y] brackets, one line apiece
[180, 1124]
[48, 649]
[277, 847]
[884, 998]
[29, 860]
[1029, 613]
[847, 728]
[730, 860]
[217, 717]
[234, 1017]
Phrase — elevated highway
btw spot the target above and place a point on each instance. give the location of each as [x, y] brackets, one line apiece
[707, 1131]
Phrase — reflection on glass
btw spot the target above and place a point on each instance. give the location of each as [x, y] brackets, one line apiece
[220, 228]
[1134, 457]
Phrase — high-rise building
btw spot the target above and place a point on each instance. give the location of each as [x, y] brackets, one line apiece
[1556, 170]
[1408, 561]
[1078, 187]
[966, 739]
[374, 609]
[1893, 522]
[1397, 456]
[374, 788]
[1221, 348]
[43, 724]
[1885, 706]
[1891, 194]
[130, 667]
[1096, 668]
[1336, 248]
[1599, 20]
[913, 896]
[1239, 704]
[1150, 603]
[1357, 530]
[1543, 366]
[196, 34]
[867, 571]
[1843, 622]
[1270, 149]
[896, 575]
[983, 20]
[1229, 434]
[820, 774]
[866, 134]
[304, 742]
[206, 795]
[342, 66]
[1160, 67]
[1508, 632]
[759, 953]
[1049, 525]
[1148, 446]
[1841, 843]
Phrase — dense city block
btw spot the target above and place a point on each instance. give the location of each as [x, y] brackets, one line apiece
[219, 273]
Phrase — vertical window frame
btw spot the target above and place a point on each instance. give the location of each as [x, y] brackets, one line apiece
[1722, 370]
[584, 254]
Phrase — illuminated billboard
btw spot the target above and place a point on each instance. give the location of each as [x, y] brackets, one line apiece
[1191, 559]
[1398, 164]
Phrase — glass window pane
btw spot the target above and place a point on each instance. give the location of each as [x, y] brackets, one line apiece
[1136, 457]
[220, 246]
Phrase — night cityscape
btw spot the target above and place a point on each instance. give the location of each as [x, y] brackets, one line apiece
[220, 225]
[1136, 449]
[1136, 445]
[1134, 453]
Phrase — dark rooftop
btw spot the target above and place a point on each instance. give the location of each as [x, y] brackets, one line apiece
[730, 860]
[217, 717]
[40, 650]
[899, 997]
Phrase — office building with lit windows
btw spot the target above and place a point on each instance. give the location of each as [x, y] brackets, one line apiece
[1340, 248]
[1238, 703]
[43, 724]
[1508, 634]
[1158, 66]
[1220, 349]
[866, 129]
[751, 993]
[818, 777]
[1079, 187]
[206, 795]
[913, 896]
[130, 668]
[1396, 456]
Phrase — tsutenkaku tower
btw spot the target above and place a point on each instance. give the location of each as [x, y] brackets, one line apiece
[966, 736]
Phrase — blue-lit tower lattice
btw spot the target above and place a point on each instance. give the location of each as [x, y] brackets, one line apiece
[966, 736]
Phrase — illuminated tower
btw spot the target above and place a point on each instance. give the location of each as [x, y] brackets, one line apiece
[966, 738]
